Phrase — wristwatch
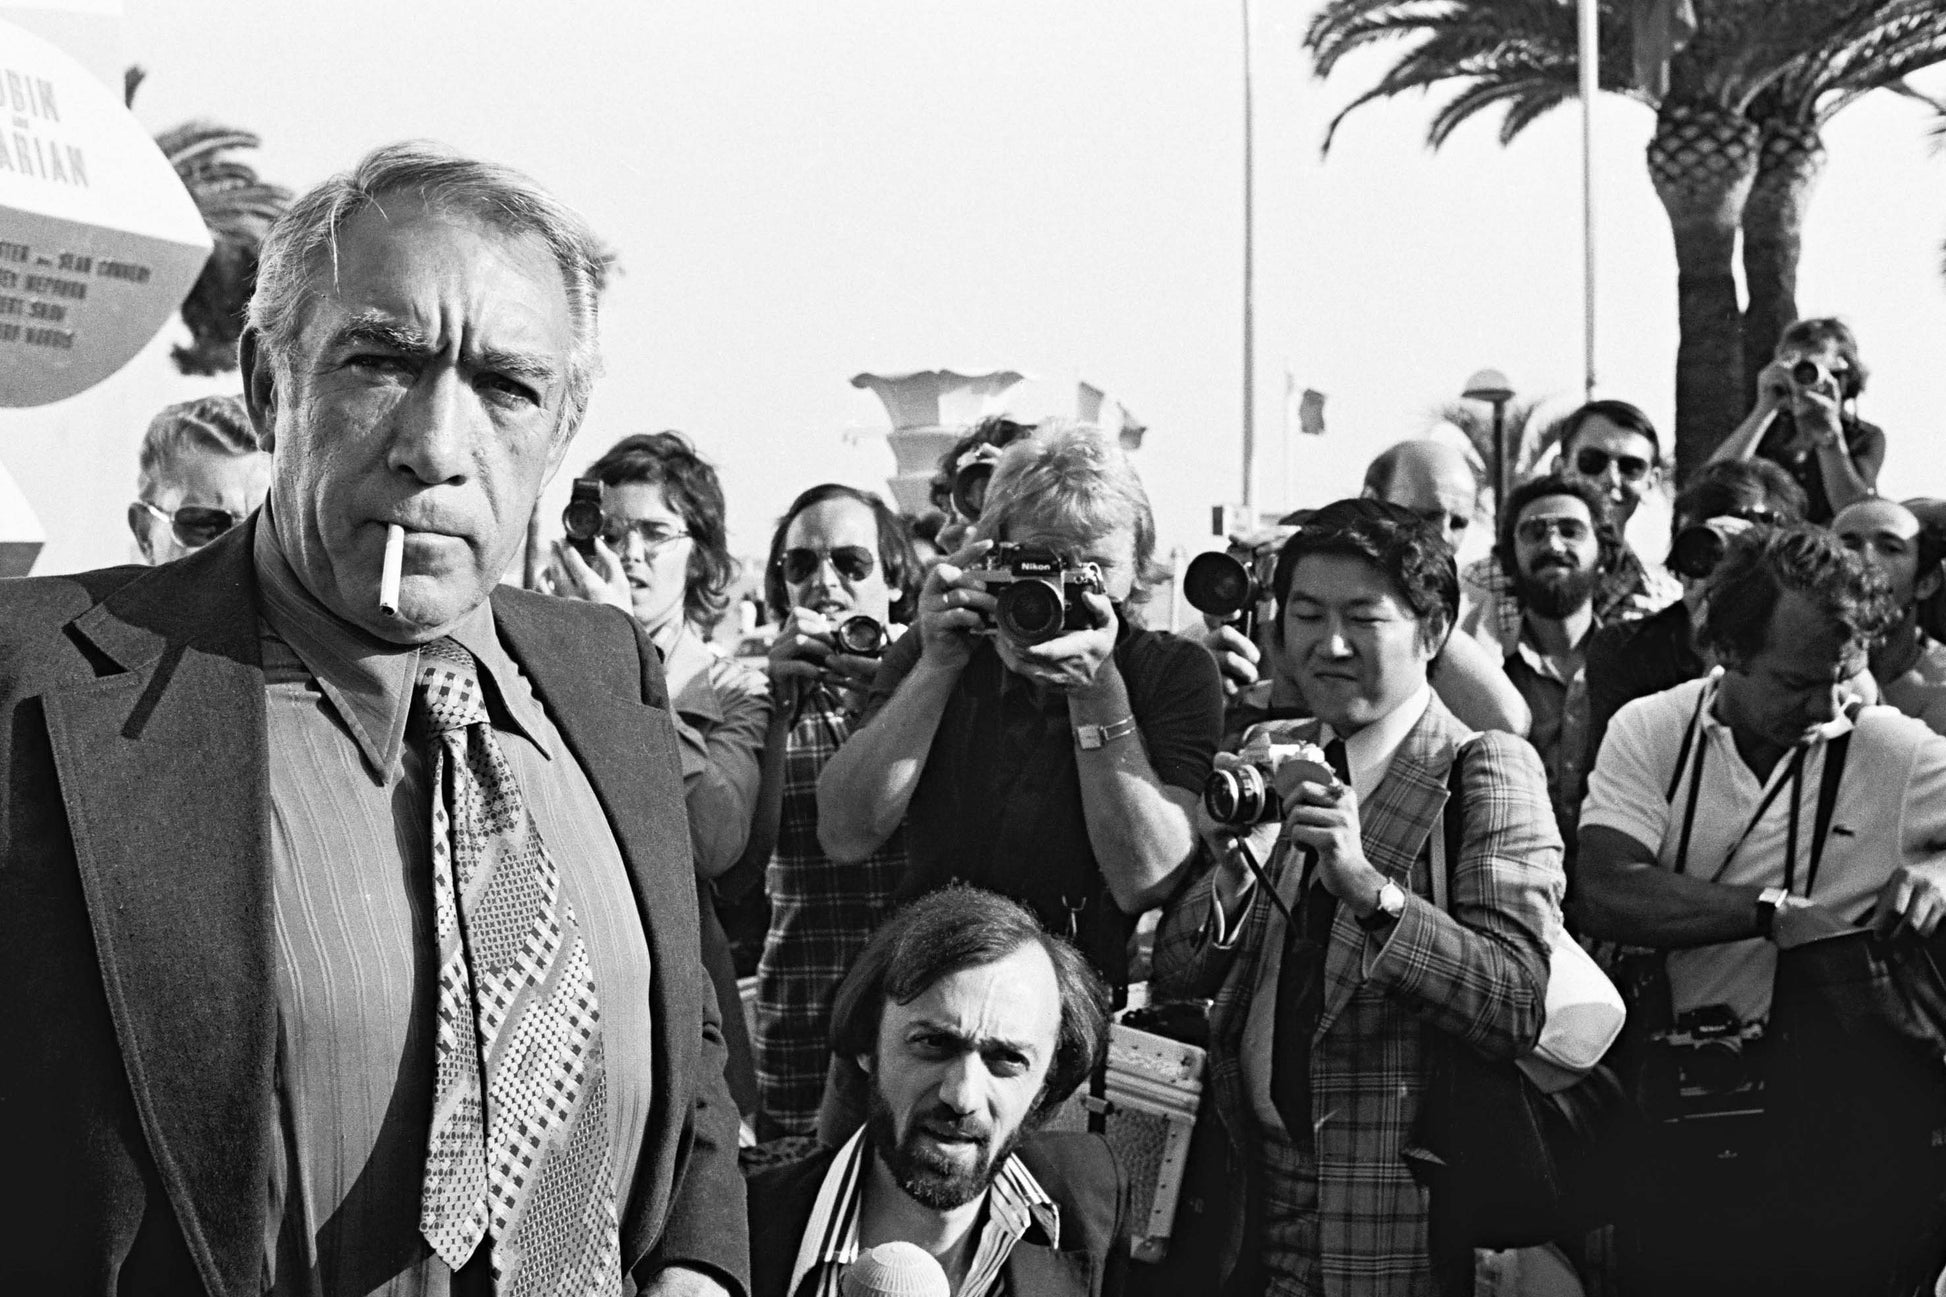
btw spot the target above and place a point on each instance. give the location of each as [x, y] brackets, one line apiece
[1090, 737]
[1387, 906]
[1768, 902]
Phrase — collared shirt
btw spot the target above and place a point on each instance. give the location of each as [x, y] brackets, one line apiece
[350, 815]
[1490, 610]
[1016, 1208]
[1891, 808]
[1368, 756]
[1556, 692]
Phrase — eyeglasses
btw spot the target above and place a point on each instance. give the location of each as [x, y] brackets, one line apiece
[653, 535]
[1592, 461]
[1535, 531]
[854, 562]
[195, 525]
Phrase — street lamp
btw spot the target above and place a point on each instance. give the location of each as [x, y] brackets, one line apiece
[1491, 385]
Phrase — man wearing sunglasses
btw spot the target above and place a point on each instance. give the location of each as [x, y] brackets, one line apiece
[201, 473]
[1611, 446]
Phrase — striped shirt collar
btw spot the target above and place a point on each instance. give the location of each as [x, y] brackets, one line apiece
[1017, 1208]
[368, 681]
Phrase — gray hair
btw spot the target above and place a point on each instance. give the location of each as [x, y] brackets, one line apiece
[308, 232]
[211, 425]
[1076, 474]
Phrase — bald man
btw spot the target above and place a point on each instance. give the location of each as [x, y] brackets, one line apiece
[1909, 665]
[1431, 478]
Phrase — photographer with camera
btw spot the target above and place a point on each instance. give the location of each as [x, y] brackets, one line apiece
[1336, 979]
[1738, 823]
[1032, 738]
[662, 555]
[1806, 419]
[841, 580]
[1633, 659]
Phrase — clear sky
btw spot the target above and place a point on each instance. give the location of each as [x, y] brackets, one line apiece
[803, 191]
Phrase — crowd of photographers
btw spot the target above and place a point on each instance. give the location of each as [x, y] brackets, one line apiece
[1368, 794]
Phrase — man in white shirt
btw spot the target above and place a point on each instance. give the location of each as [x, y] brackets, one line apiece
[1712, 831]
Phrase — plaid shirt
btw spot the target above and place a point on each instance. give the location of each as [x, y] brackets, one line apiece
[821, 914]
[1017, 1207]
[1490, 611]
[1478, 973]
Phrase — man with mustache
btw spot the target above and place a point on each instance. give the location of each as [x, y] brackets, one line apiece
[969, 1024]
[1557, 548]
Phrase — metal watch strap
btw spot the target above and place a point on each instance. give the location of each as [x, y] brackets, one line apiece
[1768, 902]
[1090, 737]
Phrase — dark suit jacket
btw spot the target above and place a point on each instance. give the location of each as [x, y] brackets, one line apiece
[138, 1013]
[1078, 1172]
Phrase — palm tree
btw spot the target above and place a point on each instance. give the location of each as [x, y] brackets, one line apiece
[239, 210]
[1528, 440]
[1736, 147]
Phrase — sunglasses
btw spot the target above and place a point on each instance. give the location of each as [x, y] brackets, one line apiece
[854, 562]
[653, 535]
[1535, 531]
[195, 525]
[1591, 461]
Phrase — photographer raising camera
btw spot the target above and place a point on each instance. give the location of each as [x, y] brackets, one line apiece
[1031, 738]
[1806, 419]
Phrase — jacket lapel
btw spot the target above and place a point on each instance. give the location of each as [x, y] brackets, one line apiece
[1048, 1272]
[1394, 826]
[162, 773]
[626, 749]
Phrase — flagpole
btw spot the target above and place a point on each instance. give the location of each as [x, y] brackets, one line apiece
[1590, 24]
[1249, 290]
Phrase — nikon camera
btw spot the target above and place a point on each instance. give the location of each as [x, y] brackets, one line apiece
[1037, 594]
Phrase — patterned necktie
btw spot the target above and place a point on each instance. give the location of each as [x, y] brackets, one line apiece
[519, 1148]
[1300, 987]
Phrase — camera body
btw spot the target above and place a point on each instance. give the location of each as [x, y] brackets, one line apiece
[1037, 594]
[1243, 789]
[1708, 1064]
[1233, 585]
[1698, 548]
[1809, 373]
[582, 519]
[860, 636]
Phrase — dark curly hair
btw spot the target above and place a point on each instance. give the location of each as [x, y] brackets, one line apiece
[1398, 542]
[904, 574]
[667, 460]
[1761, 564]
[1735, 488]
[1608, 563]
[961, 927]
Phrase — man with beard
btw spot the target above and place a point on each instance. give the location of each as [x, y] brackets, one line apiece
[1556, 547]
[970, 1024]
[1909, 665]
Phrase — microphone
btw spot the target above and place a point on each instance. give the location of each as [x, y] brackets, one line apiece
[895, 1269]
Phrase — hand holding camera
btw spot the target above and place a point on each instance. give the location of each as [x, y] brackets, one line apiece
[809, 647]
[954, 607]
[1052, 620]
[583, 566]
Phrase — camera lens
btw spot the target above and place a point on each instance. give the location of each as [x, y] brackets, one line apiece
[1029, 612]
[1807, 373]
[1696, 551]
[860, 636]
[1217, 584]
[1236, 797]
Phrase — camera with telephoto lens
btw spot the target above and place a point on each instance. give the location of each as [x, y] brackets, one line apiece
[860, 636]
[1037, 594]
[582, 519]
[1232, 585]
[1699, 547]
[1242, 790]
[1707, 1064]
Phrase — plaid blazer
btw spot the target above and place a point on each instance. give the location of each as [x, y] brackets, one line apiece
[1478, 973]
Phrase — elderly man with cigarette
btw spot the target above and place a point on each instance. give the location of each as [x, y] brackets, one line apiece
[348, 921]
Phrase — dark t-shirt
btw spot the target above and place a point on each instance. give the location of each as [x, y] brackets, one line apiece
[999, 802]
[1864, 443]
[1634, 659]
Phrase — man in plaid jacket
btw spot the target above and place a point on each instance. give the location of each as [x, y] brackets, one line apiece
[1330, 1014]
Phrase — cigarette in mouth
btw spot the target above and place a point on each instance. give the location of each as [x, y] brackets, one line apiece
[388, 577]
